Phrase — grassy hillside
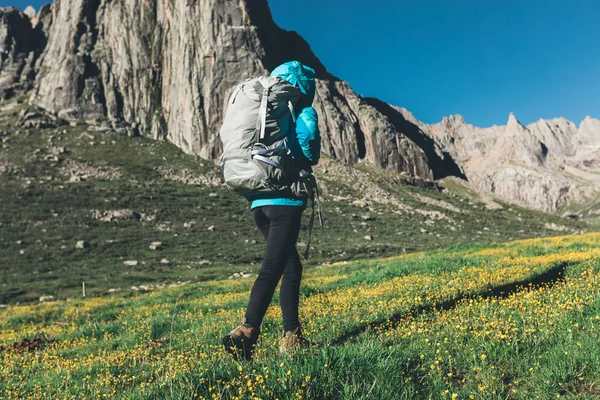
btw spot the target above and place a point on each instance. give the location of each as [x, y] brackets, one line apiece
[518, 320]
[117, 195]
[590, 211]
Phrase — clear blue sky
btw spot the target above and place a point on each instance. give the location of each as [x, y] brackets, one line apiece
[479, 58]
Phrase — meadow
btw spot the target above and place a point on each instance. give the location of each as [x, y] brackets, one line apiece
[516, 320]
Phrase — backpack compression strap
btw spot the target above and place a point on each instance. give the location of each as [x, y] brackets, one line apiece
[261, 122]
[263, 153]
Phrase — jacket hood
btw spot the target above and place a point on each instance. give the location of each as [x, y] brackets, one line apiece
[299, 75]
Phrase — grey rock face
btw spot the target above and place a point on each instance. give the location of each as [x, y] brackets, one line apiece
[543, 165]
[338, 123]
[157, 68]
[165, 69]
[22, 41]
[68, 82]
[356, 128]
[586, 142]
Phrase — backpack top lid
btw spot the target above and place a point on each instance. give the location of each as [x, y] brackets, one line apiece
[299, 75]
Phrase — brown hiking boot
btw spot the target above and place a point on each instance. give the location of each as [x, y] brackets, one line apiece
[240, 341]
[292, 340]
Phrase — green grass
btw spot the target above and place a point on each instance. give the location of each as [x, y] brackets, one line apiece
[590, 210]
[514, 321]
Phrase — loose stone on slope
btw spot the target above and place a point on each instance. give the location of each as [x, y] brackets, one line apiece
[155, 245]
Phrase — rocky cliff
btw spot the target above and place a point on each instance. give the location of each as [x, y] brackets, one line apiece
[165, 68]
[543, 165]
[22, 41]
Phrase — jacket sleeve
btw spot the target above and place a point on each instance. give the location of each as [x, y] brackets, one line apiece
[309, 137]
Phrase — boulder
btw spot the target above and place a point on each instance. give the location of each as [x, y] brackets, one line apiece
[155, 245]
[360, 203]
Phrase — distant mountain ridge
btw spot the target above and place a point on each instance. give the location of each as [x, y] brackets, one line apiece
[543, 165]
[165, 69]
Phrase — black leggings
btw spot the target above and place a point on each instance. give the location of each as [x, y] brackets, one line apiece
[280, 226]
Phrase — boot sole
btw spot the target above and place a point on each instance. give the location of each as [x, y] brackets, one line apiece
[234, 345]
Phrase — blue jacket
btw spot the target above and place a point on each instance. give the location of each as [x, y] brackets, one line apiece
[304, 138]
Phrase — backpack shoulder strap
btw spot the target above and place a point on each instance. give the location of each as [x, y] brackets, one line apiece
[291, 107]
[280, 93]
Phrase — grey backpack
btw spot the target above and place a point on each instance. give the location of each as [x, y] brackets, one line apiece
[256, 157]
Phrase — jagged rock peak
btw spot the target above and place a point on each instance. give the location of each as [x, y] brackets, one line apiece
[457, 118]
[30, 12]
[453, 120]
[544, 165]
[409, 116]
[589, 134]
[589, 121]
[513, 121]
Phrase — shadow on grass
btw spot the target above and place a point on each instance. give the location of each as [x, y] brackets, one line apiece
[552, 276]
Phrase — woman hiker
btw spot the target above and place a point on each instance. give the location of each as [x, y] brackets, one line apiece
[277, 216]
